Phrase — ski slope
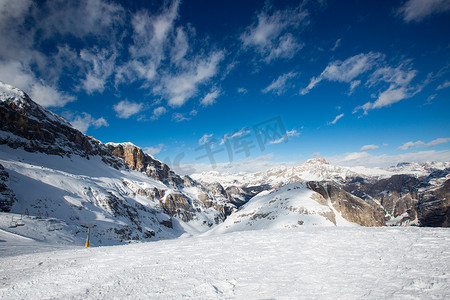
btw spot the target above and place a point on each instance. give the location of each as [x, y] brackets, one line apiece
[302, 263]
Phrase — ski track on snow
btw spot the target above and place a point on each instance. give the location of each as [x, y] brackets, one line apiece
[309, 263]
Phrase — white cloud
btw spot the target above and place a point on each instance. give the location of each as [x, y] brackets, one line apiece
[435, 142]
[335, 119]
[80, 18]
[179, 88]
[369, 147]
[15, 74]
[345, 71]
[353, 85]
[444, 85]
[285, 137]
[100, 66]
[438, 141]
[258, 164]
[272, 34]
[229, 136]
[180, 117]
[408, 145]
[210, 98]
[292, 132]
[400, 88]
[157, 112]
[336, 45]
[126, 109]
[384, 160]
[278, 86]
[84, 121]
[418, 10]
[315, 154]
[204, 139]
[154, 150]
[355, 156]
[242, 91]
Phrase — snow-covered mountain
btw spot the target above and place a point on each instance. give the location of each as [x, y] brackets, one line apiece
[409, 193]
[317, 169]
[54, 179]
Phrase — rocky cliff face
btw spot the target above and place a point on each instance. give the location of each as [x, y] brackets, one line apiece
[138, 160]
[24, 123]
[7, 196]
[407, 199]
[433, 208]
[352, 208]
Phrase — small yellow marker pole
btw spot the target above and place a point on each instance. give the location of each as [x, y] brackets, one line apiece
[88, 233]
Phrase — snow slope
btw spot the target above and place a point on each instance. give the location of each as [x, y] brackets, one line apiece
[68, 192]
[290, 206]
[306, 263]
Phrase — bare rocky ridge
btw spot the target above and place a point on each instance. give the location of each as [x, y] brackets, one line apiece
[7, 196]
[28, 125]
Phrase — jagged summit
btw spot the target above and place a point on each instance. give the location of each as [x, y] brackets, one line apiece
[20, 101]
[317, 160]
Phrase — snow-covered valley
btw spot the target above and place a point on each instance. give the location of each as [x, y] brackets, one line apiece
[302, 263]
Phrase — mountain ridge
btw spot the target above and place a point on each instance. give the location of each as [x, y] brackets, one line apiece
[49, 168]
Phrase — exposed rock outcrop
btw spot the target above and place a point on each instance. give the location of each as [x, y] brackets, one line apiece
[352, 208]
[138, 160]
[7, 196]
[26, 124]
[433, 208]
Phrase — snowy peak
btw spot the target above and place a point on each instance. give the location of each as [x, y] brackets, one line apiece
[302, 204]
[317, 160]
[20, 101]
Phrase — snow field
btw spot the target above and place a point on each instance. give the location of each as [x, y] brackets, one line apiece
[304, 263]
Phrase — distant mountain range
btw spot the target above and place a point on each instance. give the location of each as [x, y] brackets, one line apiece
[55, 179]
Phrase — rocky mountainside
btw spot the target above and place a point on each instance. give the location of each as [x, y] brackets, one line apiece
[47, 167]
[302, 204]
[407, 194]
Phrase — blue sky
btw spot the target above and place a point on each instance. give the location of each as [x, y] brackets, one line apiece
[256, 83]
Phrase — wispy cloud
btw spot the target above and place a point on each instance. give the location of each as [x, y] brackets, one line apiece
[158, 112]
[154, 150]
[399, 80]
[180, 117]
[444, 85]
[16, 74]
[345, 71]
[367, 160]
[84, 121]
[435, 142]
[100, 66]
[126, 109]
[285, 137]
[336, 44]
[179, 88]
[205, 139]
[369, 147]
[236, 134]
[338, 117]
[418, 10]
[272, 34]
[279, 85]
[242, 91]
[210, 98]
